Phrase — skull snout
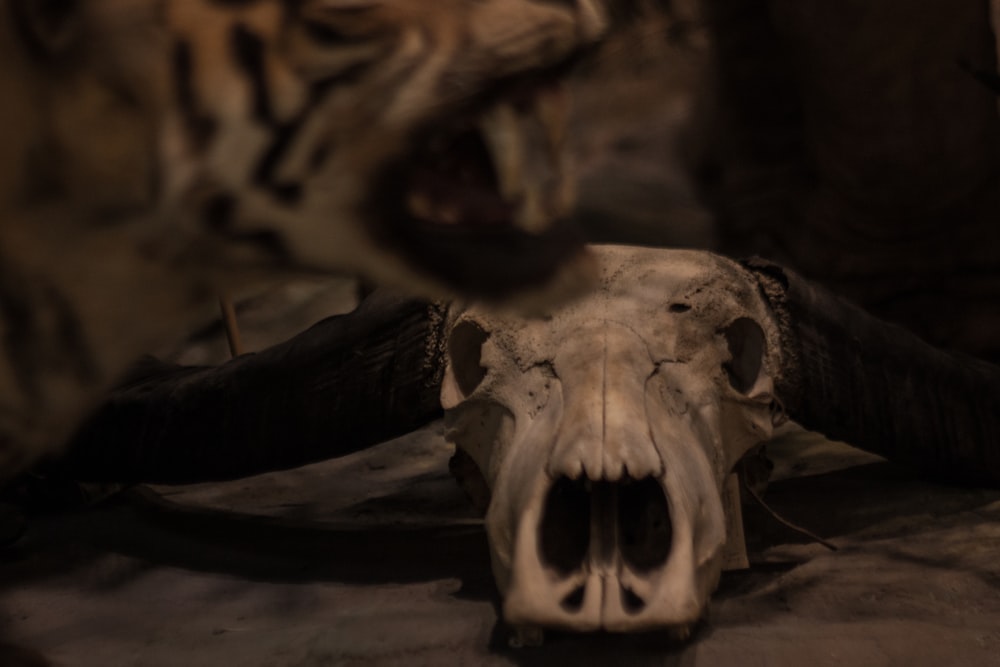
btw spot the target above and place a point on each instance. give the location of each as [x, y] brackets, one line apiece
[604, 527]
[602, 544]
[602, 555]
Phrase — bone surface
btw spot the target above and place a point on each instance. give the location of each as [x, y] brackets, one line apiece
[605, 432]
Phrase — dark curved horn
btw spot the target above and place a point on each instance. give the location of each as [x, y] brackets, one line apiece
[879, 387]
[349, 382]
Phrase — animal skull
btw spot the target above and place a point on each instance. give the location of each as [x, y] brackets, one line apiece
[601, 437]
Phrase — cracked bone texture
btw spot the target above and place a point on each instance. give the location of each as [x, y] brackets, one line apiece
[604, 433]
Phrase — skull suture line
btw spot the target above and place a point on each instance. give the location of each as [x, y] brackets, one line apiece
[600, 437]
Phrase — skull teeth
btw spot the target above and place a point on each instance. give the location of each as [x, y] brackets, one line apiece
[613, 472]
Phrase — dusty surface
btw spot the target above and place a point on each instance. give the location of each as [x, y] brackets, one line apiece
[377, 559]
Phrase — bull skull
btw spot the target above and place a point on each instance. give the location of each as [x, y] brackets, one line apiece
[601, 437]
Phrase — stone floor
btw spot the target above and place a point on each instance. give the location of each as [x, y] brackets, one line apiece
[376, 559]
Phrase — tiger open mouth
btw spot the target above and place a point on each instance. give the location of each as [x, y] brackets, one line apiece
[483, 201]
[507, 166]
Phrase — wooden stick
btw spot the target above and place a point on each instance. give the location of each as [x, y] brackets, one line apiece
[231, 325]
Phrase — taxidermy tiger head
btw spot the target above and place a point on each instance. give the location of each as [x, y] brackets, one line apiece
[417, 143]
[154, 151]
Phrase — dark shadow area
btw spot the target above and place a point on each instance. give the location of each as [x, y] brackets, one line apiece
[847, 501]
[18, 656]
[143, 526]
[658, 649]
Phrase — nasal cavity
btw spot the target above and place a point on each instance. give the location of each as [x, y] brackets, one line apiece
[645, 533]
[564, 531]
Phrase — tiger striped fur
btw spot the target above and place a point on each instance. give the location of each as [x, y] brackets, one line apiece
[153, 152]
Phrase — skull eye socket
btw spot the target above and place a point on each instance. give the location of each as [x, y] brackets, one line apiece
[746, 342]
[465, 353]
